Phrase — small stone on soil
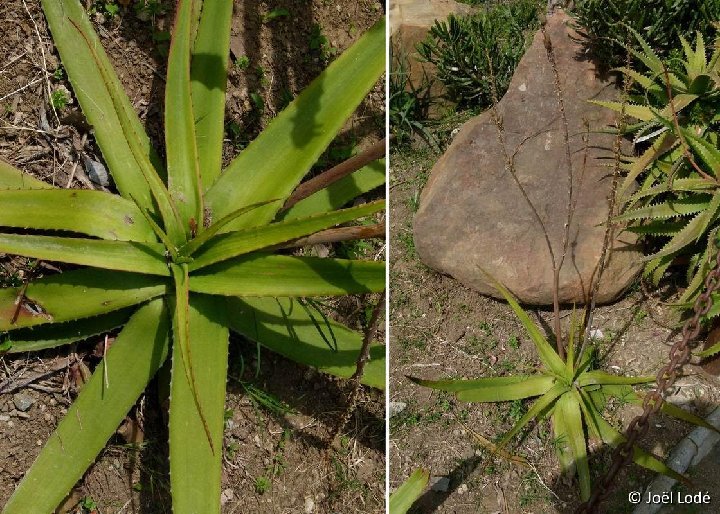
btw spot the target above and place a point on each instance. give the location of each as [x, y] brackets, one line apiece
[596, 333]
[396, 408]
[440, 484]
[22, 401]
[96, 171]
[226, 496]
[462, 489]
[309, 505]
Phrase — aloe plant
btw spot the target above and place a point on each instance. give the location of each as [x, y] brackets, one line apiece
[677, 205]
[187, 252]
[676, 105]
[571, 393]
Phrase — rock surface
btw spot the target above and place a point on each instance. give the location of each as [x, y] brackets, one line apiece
[472, 213]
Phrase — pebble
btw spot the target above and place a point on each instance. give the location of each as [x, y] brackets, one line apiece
[22, 401]
[440, 484]
[96, 171]
[226, 496]
[396, 408]
[462, 489]
[4, 417]
[22, 415]
[309, 505]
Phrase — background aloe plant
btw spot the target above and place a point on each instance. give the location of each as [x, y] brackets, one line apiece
[677, 205]
[186, 252]
[570, 393]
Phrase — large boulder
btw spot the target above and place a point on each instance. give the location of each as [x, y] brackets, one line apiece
[472, 213]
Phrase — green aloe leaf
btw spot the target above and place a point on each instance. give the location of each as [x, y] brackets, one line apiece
[339, 193]
[667, 209]
[492, 389]
[191, 246]
[115, 255]
[703, 268]
[658, 228]
[92, 419]
[693, 231]
[676, 412]
[93, 292]
[94, 213]
[208, 76]
[183, 167]
[547, 354]
[195, 465]
[57, 334]
[653, 62]
[286, 327]
[13, 178]
[284, 276]
[692, 185]
[101, 97]
[648, 83]
[665, 142]
[596, 377]
[612, 437]
[707, 151]
[295, 139]
[544, 403]
[560, 441]
[235, 244]
[409, 491]
[568, 408]
[640, 112]
[710, 351]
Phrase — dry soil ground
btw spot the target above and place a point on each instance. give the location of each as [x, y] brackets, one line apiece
[274, 461]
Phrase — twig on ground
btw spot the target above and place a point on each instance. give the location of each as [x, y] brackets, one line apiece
[44, 62]
[11, 385]
[23, 88]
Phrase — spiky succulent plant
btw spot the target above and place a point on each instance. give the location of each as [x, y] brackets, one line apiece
[187, 251]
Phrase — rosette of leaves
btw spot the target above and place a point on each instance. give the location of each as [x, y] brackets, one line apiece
[186, 252]
[571, 394]
[474, 54]
[676, 206]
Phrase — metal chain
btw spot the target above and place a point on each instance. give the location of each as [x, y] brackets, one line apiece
[679, 356]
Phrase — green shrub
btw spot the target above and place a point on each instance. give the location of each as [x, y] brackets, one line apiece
[409, 103]
[661, 22]
[470, 52]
